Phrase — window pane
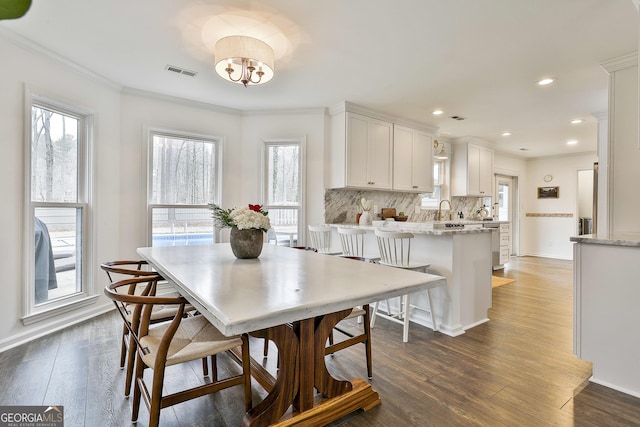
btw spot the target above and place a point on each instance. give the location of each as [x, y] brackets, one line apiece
[431, 200]
[182, 226]
[503, 202]
[54, 156]
[58, 242]
[183, 171]
[283, 175]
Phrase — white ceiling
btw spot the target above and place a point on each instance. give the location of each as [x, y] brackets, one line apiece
[479, 59]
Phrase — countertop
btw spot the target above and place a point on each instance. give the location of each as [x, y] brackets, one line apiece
[426, 228]
[616, 239]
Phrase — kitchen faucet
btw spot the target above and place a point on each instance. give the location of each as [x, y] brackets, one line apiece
[439, 217]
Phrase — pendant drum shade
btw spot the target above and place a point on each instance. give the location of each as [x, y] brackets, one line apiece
[244, 60]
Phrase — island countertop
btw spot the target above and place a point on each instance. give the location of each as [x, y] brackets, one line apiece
[611, 239]
[435, 228]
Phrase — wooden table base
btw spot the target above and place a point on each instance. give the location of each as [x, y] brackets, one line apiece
[301, 352]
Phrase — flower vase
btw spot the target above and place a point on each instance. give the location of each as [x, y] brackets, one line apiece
[365, 218]
[246, 244]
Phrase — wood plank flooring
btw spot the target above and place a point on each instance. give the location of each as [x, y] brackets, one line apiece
[516, 370]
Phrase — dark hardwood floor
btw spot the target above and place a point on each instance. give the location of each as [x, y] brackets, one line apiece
[516, 370]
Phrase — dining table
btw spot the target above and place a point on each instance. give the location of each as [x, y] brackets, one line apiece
[293, 298]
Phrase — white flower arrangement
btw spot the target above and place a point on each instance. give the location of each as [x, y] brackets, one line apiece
[243, 218]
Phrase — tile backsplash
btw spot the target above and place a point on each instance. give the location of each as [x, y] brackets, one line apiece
[342, 205]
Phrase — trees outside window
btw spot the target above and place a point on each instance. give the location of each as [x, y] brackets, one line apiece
[57, 206]
[183, 176]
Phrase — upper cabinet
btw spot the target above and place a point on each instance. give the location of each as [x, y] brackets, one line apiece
[412, 160]
[369, 149]
[471, 170]
[361, 152]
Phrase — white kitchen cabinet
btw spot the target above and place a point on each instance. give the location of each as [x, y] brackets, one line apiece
[472, 170]
[360, 152]
[369, 150]
[505, 243]
[412, 160]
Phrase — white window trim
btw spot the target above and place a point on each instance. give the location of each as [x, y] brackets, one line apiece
[302, 143]
[86, 189]
[149, 132]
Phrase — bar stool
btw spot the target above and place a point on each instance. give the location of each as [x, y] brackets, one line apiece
[352, 240]
[395, 251]
[321, 238]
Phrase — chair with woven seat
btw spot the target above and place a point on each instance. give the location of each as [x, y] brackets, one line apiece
[125, 269]
[181, 340]
[395, 251]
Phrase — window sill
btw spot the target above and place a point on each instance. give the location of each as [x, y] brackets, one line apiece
[58, 310]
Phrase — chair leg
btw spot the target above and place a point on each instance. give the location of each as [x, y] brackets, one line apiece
[130, 366]
[265, 350]
[246, 370]
[433, 315]
[405, 329]
[375, 312]
[205, 367]
[123, 349]
[156, 396]
[135, 410]
[214, 367]
[367, 344]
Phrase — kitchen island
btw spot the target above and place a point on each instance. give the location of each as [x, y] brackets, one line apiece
[462, 254]
[606, 315]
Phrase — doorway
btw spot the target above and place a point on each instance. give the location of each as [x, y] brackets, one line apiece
[585, 202]
[506, 206]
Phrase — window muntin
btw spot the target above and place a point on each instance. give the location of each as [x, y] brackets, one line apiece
[183, 180]
[58, 205]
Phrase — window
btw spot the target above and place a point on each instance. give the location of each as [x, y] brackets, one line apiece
[431, 200]
[57, 182]
[283, 183]
[183, 179]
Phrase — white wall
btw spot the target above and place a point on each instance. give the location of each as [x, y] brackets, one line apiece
[549, 236]
[50, 78]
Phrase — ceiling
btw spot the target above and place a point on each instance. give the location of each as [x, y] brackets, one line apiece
[477, 59]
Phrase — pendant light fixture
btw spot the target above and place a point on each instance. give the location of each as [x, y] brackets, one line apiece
[244, 60]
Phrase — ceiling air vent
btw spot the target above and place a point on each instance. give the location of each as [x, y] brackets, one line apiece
[456, 118]
[179, 70]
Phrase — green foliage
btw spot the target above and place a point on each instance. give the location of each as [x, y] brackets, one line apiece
[221, 217]
[13, 9]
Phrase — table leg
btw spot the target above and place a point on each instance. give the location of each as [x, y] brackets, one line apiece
[280, 398]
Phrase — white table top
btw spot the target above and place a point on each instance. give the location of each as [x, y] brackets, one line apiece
[283, 285]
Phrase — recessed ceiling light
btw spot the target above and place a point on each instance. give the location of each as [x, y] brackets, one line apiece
[572, 142]
[437, 112]
[576, 121]
[547, 81]
[506, 133]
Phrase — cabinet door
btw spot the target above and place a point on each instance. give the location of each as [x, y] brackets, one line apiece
[422, 162]
[485, 172]
[473, 170]
[357, 150]
[402, 158]
[380, 154]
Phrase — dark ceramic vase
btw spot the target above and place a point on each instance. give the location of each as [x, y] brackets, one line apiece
[246, 244]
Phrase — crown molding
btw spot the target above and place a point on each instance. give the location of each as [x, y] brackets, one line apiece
[289, 111]
[346, 106]
[181, 101]
[35, 48]
[620, 63]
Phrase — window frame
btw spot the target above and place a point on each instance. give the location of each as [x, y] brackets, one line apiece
[301, 143]
[217, 142]
[85, 187]
[441, 185]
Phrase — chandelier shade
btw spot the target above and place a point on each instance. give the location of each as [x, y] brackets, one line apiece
[440, 151]
[244, 60]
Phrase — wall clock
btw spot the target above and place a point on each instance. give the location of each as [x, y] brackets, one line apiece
[548, 178]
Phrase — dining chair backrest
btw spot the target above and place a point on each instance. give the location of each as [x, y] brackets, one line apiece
[352, 240]
[395, 248]
[320, 238]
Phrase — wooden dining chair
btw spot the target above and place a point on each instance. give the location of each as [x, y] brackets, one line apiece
[181, 340]
[126, 269]
[395, 251]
